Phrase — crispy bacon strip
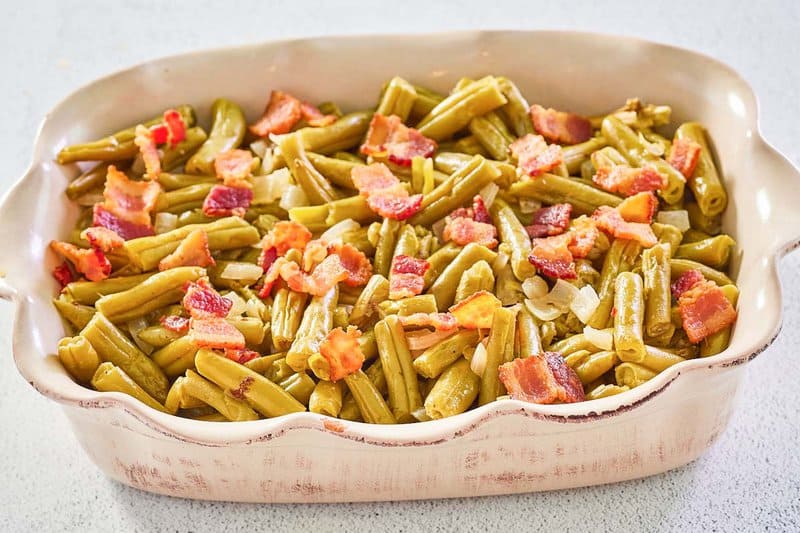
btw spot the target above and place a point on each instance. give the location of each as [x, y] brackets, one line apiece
[103, 218]
[282, 113]
[203, 301]
[192, 251]
[373, 178]
[388, 135]
[241, 356]
[463, 230]
[129, 200]
[684, 155]
[178, 324]
[176, 127]
[233, 167]
[534, 156]
[342, 352]
[686, 281]
[640, 207]
[146, 142]
[223, 201]
[357, 265]
[583, 235]
[406, 277]
[628, 181]
[103, 238]
[437, 321]
[63, 274]
[286, 235]
[476, 311]
[560, 126]
[314, 116]
[549, 221]
[705, 310]
[384, 192]
[541, 379]
[552, 257]
[609, 220]
[91, 262]
[324, 277]
[216, 333]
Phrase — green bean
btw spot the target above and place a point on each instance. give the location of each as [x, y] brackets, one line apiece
[467, 145]
[493, 134]
[576, 154]
[711, 225]
[439, 261]
[317, 322]
[158, 336]
[423, 303]
[76, 314]
[242, 383]
[425, 102]
[632, 374]
[407, 243]
[88, 292]
[113, 346]
[228, 127]
[629, 306]
[679, 266]
[396, 361]
[454, 391]
[423, 179]
[369, 401]
[659, 360]
[435, 359]
[624, 139]
[693, 235]
[450, 162]
[326, 398]
[223, 234]
[176, 357]
[300, 386]
[591, 366]
[179, 200]
[263, 364]
[499, 349]
[384, 250]
[109, 378]
[317, 188]
[604, 391]
[669, 235]
[454, 112]
[397, 99]
[344, 134]
[513, 233]
[528, 339]
[658, 298]
[157, 291]
[171, 182]
[173, 157]
[507, 288]
[515, 110]
[620, 258]
[607, 157]
[376, 291]
[478, 277]
[551, 189]
[78, 357]
[92, 179]
[352, 207]
[705, 183]
[252, 328]
[714, 252]
[572, 344]
[337, 171]
[118, 145]
[287, 312]
[279, 370]
[445, 286]
[231, 408]
[717, 342]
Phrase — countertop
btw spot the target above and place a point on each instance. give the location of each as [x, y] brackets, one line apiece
[750, 478]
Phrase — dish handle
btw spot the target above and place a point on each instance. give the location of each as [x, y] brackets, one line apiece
[782, 204]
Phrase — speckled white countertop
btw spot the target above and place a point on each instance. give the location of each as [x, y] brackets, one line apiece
[748, 481]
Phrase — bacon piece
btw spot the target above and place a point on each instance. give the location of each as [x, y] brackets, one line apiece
[476, 311]
[705, 310]
[216, 333]
[176, 128]
[628, 181]
[406, 277]
[103, 238]
[357, 265]
[129, 200]
[421, 339]
[463, 230]
[404, 264]
[437, 321]
[686, 281]
[282, 113]
[479, 211]
[609, 220]
[126, 230]
[272, 271]
[583, 234]
[684, 155]
[533, 379]
[233, 168]
[388, 135]
[535, 156]
[192, 251]
[314, 116]
[92, 262]
[549, 221]
[178, 324]
[146, 142]
[395, 203]
[372, 178]
[267, 258]
[324, 277]
[641, 207]
[342, 352]
[551, 255]
[241, 356]
[223, 201]
[287, 235]
[560, 126]
[203, 301]
[63, 274]
[315, 252]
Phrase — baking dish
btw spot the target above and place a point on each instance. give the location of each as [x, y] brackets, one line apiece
[503, 447]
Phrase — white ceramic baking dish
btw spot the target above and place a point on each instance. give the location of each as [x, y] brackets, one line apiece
[505, 447]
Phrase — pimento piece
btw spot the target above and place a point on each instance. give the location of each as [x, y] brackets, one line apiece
[176, 128]
[549, 221]
[686, 281]
[192, 251]
[437, 321]
[389, 136]
[146, 142]
[628, 181]
[175, 323]
[223, 201]
[533, 379]
[160, 133]
[103, 238]
[534, 156]
[342, 352]
[640, 207]
[552, 257]
[314, 116]
[684, 155]
[233, 167]
[406, 277]
[560, 126]
[129, 200]
[216, 333]
[63, 274]
[241, 356]
[102, 218]
[476, 311]
[479, 211]
[463, 230]
[92, 262]
[705, 310]
[282, 113]
[609, 220]
[357, 265]
[203, 301]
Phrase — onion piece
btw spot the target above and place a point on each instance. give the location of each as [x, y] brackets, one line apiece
[585, 303]
[489, 193]
[535, 287]
[134, 327]
[165, 222]
[421, 415]
[562, 294]
[678, 218]
[529, 205]
[255, 308]
[260, 147]
[267, 189]
[438, 229]
[293, 196]
[543, 310]
[238, 271]
[602, 338]
[499, 262]
[239, 305]
[422, 339]
[478, 362]
[337, 231]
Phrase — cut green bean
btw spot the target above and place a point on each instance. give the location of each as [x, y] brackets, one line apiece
[228, 127]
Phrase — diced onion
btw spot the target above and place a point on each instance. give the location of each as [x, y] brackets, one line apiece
[241, 271]
[478, 362]
[678, 218]
[134, 327]
[499, 262]
[535, 287]
[239, 305]
[489, 193]
[260, 147]
[255, 308]
[543, 310]
[562, 294]
[422, 339]
[267, 189]
[293, 196]
[602, 338]
[421, 415]
[165, 222]
[438, 229]
[529, 205]
[585, 303]
[337, 231]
